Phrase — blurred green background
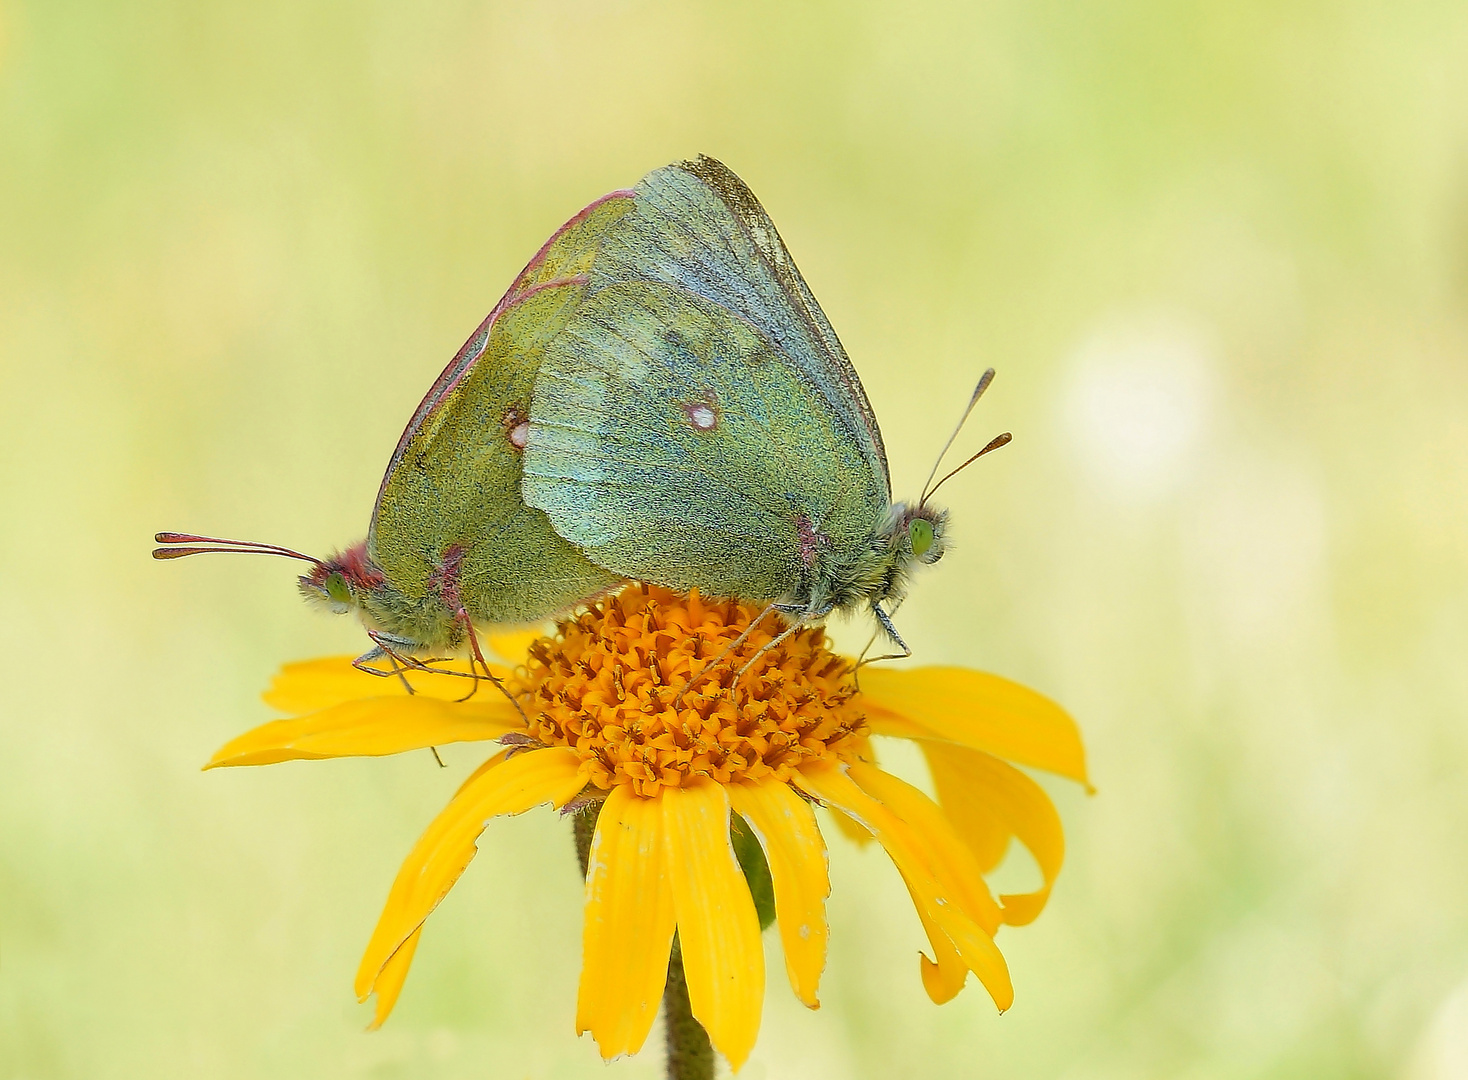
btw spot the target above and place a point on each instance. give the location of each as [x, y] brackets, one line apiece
[1218, 253]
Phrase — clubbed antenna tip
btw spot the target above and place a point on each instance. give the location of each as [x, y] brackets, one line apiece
[179, 545]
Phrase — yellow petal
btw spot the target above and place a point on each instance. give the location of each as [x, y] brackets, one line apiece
[944, 976]
[512, 645]
[390, 979]
[978, 710]
[947, 857]
[477, 773]
[787, 830]
[370, 727]
[628, 929]
[963, 804]
[717, 924]
[1015, 803]
[942, 909]
[330, 680]
[851, 830]
[844, 825]
[441, 854]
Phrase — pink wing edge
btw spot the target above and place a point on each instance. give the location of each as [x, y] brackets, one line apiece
[467, 356]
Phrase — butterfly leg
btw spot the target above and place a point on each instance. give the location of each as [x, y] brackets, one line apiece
[400, 664]
[787, 609]
[805, 618]
[398, 669]
[383, 646]
[886, 623]
[387, 645]
[476, 658]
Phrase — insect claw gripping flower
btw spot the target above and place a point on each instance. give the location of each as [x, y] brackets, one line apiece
[793, 734]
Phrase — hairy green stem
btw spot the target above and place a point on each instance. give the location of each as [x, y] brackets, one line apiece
[690, 1057]
[583, 828]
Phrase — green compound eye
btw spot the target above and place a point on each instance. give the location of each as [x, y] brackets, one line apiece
[337, 590]
[920, 533]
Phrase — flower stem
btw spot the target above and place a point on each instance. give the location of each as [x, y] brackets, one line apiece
[690, 1056]
[583, 828]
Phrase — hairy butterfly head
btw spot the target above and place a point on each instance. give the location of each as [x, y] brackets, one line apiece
[344, 582]
[912, 536]
[920, 536]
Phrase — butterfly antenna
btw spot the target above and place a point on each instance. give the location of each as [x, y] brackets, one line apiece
[179, 545]
[984, 381]
[994, 444]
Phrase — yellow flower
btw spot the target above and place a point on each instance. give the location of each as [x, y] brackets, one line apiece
[791, 735]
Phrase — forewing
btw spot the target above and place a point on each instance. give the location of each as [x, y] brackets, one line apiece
[571, 249]
[566, 256]
[454, 480]
[672, 442]
[697, 226]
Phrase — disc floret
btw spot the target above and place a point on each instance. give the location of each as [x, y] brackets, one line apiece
[610, 685]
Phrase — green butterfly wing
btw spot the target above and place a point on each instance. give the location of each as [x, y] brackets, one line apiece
[694, 298]
[673, 442]
[698, 227]
[454, 481]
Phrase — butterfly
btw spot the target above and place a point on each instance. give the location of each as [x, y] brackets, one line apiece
[697, 424]
[451, 543]
[657, 396]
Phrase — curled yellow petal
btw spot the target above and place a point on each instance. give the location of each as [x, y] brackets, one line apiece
[369, 727]
[949, 860]
[717, 924]
[964, 804]
[628, 929]
[977, 710]
[441, 854]
[943, 976]
[973, 784]
[796, 852]
[943, 910]
[312, 685]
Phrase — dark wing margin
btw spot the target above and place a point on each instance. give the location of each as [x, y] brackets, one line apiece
[761, 231]
[540, 271]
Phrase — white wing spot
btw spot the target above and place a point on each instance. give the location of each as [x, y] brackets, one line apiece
[519, 434]
[702, 417]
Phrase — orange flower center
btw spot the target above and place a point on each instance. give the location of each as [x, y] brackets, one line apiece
[608, 685]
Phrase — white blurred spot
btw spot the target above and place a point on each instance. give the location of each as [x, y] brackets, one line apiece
[1260, 544]
[1442, 1051]
[1138, 404]
[520, 434]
